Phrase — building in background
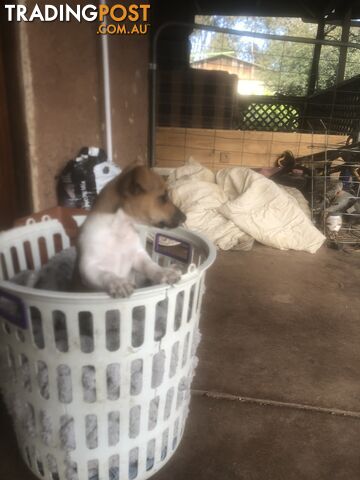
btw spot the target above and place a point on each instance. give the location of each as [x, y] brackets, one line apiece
[248, 73]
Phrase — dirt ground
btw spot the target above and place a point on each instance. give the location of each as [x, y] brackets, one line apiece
[277, 391]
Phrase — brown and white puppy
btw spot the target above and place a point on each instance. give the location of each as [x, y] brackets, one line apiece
[109, 248]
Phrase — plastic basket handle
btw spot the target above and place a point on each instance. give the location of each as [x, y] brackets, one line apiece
[158, 248]
[13, 309]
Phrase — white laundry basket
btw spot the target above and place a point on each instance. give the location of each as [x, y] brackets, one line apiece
[99, 387]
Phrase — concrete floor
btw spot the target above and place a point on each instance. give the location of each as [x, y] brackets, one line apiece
[277, 390]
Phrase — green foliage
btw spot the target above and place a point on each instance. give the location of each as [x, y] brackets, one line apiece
[283, 66]
[206, 44]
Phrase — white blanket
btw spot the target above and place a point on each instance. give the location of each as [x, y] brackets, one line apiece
[237, 206]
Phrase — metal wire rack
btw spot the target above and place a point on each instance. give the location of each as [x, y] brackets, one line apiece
[335, 191]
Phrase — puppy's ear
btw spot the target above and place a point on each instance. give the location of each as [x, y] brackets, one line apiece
[132, 182]
[138, 180]
[143, 180]
[137, 186]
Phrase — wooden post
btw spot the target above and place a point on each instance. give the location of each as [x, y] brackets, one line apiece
[343, 50]
[8, 194]
[314, 71]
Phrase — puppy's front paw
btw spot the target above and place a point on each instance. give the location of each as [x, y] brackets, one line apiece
[119, 288]
[169, 275]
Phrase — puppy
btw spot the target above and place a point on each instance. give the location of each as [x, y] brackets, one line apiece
[110, 252]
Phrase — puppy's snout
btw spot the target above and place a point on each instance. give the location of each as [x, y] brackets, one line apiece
[178, 218]
[181, 216]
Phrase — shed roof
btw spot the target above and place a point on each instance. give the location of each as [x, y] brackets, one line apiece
[217, 56]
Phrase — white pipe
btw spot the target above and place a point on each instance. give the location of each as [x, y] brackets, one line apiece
[107, 92]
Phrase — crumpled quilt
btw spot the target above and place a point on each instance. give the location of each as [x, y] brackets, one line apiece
[237, 206]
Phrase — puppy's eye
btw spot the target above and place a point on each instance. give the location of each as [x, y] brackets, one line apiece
[163, 198]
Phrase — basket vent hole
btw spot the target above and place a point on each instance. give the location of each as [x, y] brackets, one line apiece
[199, 295]
[174, 359]
[113, 330]
[195, 341]
[161, 317]
[114, 467]
[153, 413]
[52, 465]
[58, 242]
[60, 331]
[181, 392]
[40, 467]
[43, 379]
[88, 379]
[37, 327]
[64, 384]
[20, 336]
[28, 457]
[7, 328]
[158, 369]
[163, 261]
[168, 403]
[136, 377]
[164, 445]
[149, 247]
[44, 257]
[25, 372]
[150, 455]
[29, 420]
[134, 421]
[93, 470]
[71, 472]
[4, 271]
[11, 360]
[86, 330]
[133, 463]
[138, 324]
[113, 428]
[15, 260]
[113, 381]
[199, 260]
[45, 427]
[186, 348]
[28, 256]
[176, 433]
[178, 310]
[91, 431]
[191, 303]
[67, 432]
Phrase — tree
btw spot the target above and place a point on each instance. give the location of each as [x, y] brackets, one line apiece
[353, 55]
[283, 66]
[206, 43]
